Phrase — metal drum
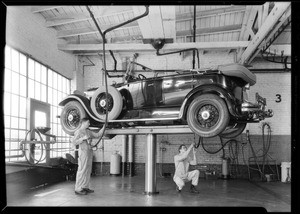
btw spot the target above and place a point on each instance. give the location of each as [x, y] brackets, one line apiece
[115, 164]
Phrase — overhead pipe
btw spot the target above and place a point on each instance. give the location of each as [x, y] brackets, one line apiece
[104, 67]
[126, 22]
[104, 59]
[131, 154]
[184, 50]
[194, 37]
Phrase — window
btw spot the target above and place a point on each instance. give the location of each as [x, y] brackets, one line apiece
[25, 78]
[40, 119]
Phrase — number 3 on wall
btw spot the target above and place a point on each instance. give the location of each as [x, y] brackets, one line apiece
[278, 98]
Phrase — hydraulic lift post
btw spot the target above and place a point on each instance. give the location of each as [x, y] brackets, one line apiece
[151, 133]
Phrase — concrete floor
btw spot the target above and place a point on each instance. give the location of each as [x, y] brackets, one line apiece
[129, 191]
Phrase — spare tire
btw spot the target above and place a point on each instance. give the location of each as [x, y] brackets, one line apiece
[114, 103]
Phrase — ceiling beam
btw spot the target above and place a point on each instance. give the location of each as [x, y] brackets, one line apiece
[168, 19]
[119, 39]
[267, 26]
[72, 18]
[270, 39]
[209, 30]
[265, 13]
[207, 13]
[90, 30]
[149, 47]
[247, 24]
[160, 22]
[38, 9]
[284, 19]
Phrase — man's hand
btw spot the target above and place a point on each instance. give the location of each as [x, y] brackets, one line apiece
[194, 151]
[85, 137]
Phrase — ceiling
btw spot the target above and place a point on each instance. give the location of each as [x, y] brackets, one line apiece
[246, 29]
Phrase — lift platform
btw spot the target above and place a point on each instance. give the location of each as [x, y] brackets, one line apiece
[143, 130]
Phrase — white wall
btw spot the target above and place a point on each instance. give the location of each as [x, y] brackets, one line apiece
[27, 33]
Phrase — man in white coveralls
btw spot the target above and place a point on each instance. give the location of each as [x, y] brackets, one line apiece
[83, 137]
[182, 174]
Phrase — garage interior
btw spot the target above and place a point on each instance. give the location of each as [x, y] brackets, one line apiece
[54, 51]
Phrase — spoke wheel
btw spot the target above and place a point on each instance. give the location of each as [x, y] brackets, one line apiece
[207, 115]
[71, 116]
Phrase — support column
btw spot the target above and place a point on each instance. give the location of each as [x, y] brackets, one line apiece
[124, 154]
[150, 169]
[130, 154]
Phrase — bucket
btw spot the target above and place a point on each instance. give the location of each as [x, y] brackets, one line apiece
[286, 171]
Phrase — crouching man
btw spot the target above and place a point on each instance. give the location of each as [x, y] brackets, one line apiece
[182, 174]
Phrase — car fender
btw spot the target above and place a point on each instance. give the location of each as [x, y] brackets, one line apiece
[85, 102]
[203, 89]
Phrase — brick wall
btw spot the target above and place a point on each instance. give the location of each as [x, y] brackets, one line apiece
[279, 149]
[274, 87]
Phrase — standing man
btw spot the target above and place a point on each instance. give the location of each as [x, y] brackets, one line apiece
[83, 137]
[182, 174]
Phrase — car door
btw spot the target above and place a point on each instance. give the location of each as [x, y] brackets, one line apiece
[153, 92]
[175, 88]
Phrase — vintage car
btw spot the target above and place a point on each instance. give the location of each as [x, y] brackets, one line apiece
[210, 101]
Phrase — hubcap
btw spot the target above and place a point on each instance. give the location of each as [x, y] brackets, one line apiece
[70, 117]
[205, 115]
[102, 103]
[73, 118]
[208, 116]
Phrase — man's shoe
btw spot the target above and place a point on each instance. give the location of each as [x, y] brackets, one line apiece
[81, 192]
[178, 190]
[194, 190]
[88, 190]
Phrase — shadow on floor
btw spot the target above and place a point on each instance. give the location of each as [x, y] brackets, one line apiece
[129, 191]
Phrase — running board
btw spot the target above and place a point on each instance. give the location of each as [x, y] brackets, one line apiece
[143, 119]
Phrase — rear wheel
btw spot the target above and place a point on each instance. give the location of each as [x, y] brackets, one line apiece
[207, 115]
[71, 116]
[113, 104]
[233, 131]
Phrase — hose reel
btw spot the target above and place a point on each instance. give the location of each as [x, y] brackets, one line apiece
[28, 147]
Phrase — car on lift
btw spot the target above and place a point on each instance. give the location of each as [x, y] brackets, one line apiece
[210, 101]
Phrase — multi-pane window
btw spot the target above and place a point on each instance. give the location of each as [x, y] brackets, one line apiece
[25, 78]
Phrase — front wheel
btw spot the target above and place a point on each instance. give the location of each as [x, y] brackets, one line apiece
[71, 117]
[207, 115]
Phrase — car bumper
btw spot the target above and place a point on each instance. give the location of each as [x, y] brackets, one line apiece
[256, 111]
